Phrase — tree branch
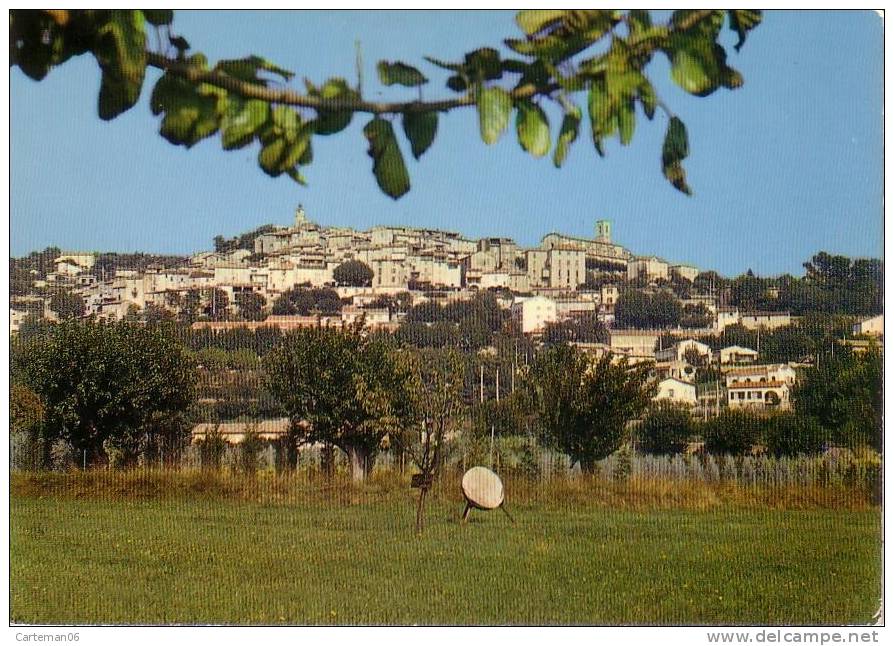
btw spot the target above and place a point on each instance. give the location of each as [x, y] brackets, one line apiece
[286, 96]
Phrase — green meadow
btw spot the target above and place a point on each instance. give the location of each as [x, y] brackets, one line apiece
[87, 551]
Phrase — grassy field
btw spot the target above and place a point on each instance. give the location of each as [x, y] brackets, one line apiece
[204, 557]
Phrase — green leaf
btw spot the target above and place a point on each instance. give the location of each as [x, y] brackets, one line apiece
[675, 150]
[286, 121]
[559, 36]
[494, 108]
[533, 21]
[388, 162]
[296, 176]
[648, 98]
[400, 74]
[332, 121]
[603, 120]
[483, 65]
[420, 128]
[121, 52]
[453, 67]
[457, 83]
[241, 121]
[190, 113]
[567, 135]
[626, 121]
[691, 72]
[159, 17]
[698, 62]
[742, 21]
[264, 64]
[533, 128]
[270, 155]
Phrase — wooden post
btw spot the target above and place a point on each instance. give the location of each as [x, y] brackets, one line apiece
[481, 382]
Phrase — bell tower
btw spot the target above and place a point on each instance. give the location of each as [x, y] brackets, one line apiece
[300, 217]
[603, 231]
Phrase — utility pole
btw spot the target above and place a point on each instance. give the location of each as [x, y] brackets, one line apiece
[481, 383]
[498, 384]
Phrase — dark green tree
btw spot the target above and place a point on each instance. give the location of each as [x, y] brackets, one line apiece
[67, 305]
[100, 382]
[305, 301]
[582, 405]
[666, 429]
[791, 433]
[735, 432]
[353, 273]
[845, 395]
[340, 388]
[251, 305]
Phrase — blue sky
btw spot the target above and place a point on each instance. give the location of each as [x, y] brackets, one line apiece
[787, 165]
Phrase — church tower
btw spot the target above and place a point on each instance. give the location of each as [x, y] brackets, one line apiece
[300, 217]
[603, 231]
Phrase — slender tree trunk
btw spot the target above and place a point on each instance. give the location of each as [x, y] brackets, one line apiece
[360, 460]
[420, 510]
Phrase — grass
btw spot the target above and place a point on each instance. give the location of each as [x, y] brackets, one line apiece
[163, 548]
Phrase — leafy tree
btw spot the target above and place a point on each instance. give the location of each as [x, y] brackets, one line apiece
[251, 305]
[695, 358]
[665, 429]
[218, 305]
[735, 431]
[353, 273]
[67, 305]
[26, 420]
[631, 309]
[845, 395]
[100, 382]
[154, 314]
[793, 434]
[695, 316]
[304, 301]
[340, 388]
[583, 406]
[245, 101]
[637, 308]
[189, 310]
[586, 328]
[664, 310]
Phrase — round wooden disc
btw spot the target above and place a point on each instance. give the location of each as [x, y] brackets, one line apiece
[483, 488]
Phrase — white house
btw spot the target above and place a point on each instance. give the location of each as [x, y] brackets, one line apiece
[768, 320]
[650, 267]
[684, 271]
[763, 386]
[726, 316]
[676, 391]
[737, 354]
[874, 326]
[677, 352]
[531, 314]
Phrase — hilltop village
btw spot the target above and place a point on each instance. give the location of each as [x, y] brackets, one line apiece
[378, 275]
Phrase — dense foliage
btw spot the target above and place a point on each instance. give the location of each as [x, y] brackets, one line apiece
[306, 301]
[102, 386]
[665, 429]
[341, 388]
[583, 406]
[353, 273]
[637, 308]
